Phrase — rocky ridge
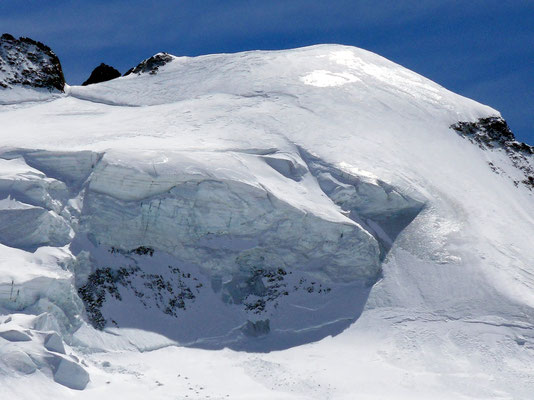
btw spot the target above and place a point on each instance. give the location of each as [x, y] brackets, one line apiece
[151, 65]
[493, 133]
[29, 63]
[102, 73]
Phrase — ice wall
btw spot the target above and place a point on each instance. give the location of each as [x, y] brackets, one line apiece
[232, 245]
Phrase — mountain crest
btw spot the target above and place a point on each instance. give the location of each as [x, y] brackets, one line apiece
[26, 62]
[102, 73]
[151, 65]
[493, 133]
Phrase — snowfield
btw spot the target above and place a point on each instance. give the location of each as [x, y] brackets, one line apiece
[298, 224]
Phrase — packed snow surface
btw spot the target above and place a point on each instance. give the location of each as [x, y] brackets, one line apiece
[290, 224]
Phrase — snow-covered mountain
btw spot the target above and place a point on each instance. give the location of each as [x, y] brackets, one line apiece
[309, 223]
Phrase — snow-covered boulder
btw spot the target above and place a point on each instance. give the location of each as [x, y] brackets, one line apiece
[54, 343]
[15, 336]
[18, 361]
[70, 374]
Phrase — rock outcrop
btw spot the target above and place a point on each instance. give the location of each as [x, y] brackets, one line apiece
[151, 65]
[102, 73]
[493, 133]
[26, 62]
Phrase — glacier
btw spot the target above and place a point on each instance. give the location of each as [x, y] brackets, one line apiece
[311, 223]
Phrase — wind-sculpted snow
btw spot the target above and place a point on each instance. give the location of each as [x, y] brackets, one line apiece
[263, 201]
[298, 72]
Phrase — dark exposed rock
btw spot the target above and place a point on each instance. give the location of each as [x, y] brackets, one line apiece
[151, 65]
[29, 63]
[491, 132]
[93, 293]
[102, 73]
[140, 251]
[260, 289]
[171, 292]
[494, 133]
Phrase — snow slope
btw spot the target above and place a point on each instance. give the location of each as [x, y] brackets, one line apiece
[304, 223]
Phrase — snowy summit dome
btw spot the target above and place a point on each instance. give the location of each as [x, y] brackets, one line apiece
[262, 201]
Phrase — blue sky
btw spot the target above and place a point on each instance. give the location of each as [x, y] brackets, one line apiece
[482, 49]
